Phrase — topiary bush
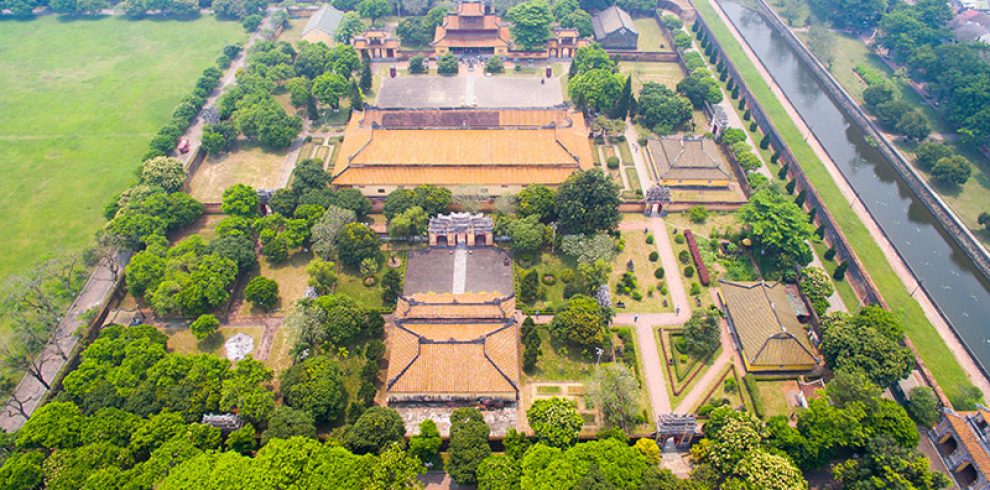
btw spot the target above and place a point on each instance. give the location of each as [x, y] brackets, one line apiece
[679, 239]
[549, 279]
[684, 256]
[649, 239]
[689, 271]
[567, 276]
[658, 273]
[830, 254]
[613, 162]
[654, 256]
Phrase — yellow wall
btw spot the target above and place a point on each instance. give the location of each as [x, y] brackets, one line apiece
[696, 183]
[786, 367]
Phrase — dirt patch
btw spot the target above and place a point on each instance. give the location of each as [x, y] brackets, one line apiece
[247, 164]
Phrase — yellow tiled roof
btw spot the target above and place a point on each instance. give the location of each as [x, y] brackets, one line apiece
[969, 439]
[769, 331]
[526, 147]
[449, 305]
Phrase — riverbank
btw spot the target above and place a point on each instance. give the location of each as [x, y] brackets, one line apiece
[927, 330]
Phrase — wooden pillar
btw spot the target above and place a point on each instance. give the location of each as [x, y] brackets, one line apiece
[470, 239]
[489, 239]
[451, 239]
[433, 239]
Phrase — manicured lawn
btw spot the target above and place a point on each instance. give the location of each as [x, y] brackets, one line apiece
[560, 363]
[638, 251]
[246, 164]
[650, 35]
[350, 283]
[645, 71]
[926, 339]
[80, 100]
[291, 278]
[733, 393]
[774, 395]
[550, 296]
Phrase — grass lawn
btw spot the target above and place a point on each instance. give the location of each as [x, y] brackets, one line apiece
[182, 340]
[844, 289]
[246, 164]
[646, 71]
[926, 339]
[732, 393]
[638, 251]
[279, 358]
[87, 97]
[291, 278]
[662, 335]
[559, 362]
[650, 35]
[292, 33]
[552, 296]
[716, 269]
[774, 394]
[351, 283]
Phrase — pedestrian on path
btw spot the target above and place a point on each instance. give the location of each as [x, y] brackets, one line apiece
[635, 318]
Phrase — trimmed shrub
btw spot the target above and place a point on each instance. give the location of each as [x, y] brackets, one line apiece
[659, 273]
[830, 254]
[679, 239]
[689, 271]
[840, 271]
[613, 162]
[696, 255]
[654, 256]
[752, 127]
[549, 279]
[649, 239]
[684, 256]
[567, 276]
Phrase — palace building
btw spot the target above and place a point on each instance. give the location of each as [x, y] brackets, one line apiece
[492, 152]
[475, 30]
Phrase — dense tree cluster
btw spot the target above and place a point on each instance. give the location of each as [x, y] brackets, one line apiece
[779, 230]
[869, 341]
[530, 23]
[661, 110]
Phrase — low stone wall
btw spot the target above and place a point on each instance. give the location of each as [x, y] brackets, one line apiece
[660, 56]
[950, 222]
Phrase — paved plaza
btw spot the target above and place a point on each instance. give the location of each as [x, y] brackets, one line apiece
[459, 270]
[438, 92]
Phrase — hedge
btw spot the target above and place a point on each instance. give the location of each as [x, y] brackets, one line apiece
[696, 255]
[754, 394]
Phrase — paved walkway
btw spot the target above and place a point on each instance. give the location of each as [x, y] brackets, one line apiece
[29, 392]
[900, 268]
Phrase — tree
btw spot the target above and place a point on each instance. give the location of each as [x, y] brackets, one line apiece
[326, 231]
[316, 386]
[289, 422]
[888, 113]
[591, 57]
[468, 445]
[262, 293]
[778, 228]
[391, 286]
[164, 172]
[764, 470]
[494, 65]
[580, 20]
[537, 200]
[984, 220]
[242, 440]
[913, 125]
[329, 87]
[417, 64]
[850, 14]
[847, 345]
[426, 445]
[587, 202]
[396, 470]
[55, 425]
[615, 391]
[322, 275]
[204, 326]
[555, 421]
[598, 90]
[930, 153]
[530, 24]
[22, 471]
[357, 242]
[923, 406]
[952, 170]
[580, 322]
[817, 287]
[499, 472]
[373, 9]
[878, 94]
[240, 200]
[660, 109]
[703, 331]
[527, 235]
[350, 26]
[447, 64]
[408, 224]
[889, 465]
[259, 117]
[821, 42]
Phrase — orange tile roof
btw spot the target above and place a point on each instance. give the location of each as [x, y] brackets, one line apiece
[450, 362]
[968, 438]
[450, 306]
[371, 155]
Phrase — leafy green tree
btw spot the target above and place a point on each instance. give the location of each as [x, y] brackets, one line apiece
[817, 287]
[262, 292]
[499, 472]
[538, 200]
[350, 26]
[55, 425]
[164, 172]
[289, 422]
[530, 23]
[850, 14]
[761, 469]
[316, 386]
[426, 445]
[240, 200]
[394, 469]
[391, 286]
[703, 331]
[597, 90]
[22, 471]
[527, 234]
[468, 445]
[143, 272]
[889, 465]
[615, 391]
[357, 242]
[852, 386]
[329, 87]
[952, 170]
[580, 20]
[417, 64]
[591, 57]
[923, 406]
[494, 65]
[928, 154]
[846, 345]
[375, 430]
[408, 224]
[660, 109]
[373, 9]
[447, 64]
[555, 421]
[778, 228]
[580, 322]
[327, 230]
[322, 275]
[242, 440]
[587, 202]
[204, 326]
[247, 392]
[914, 126]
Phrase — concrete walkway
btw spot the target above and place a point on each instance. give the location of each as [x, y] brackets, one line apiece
[29, 392]
[856, 206]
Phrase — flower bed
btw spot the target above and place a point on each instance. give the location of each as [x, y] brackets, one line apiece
[696, 255]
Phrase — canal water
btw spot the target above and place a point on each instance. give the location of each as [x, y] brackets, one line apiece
[955, 285]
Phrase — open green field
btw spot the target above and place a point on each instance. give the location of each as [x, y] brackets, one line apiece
[926, 339]
[80, 100]
[650, 35]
